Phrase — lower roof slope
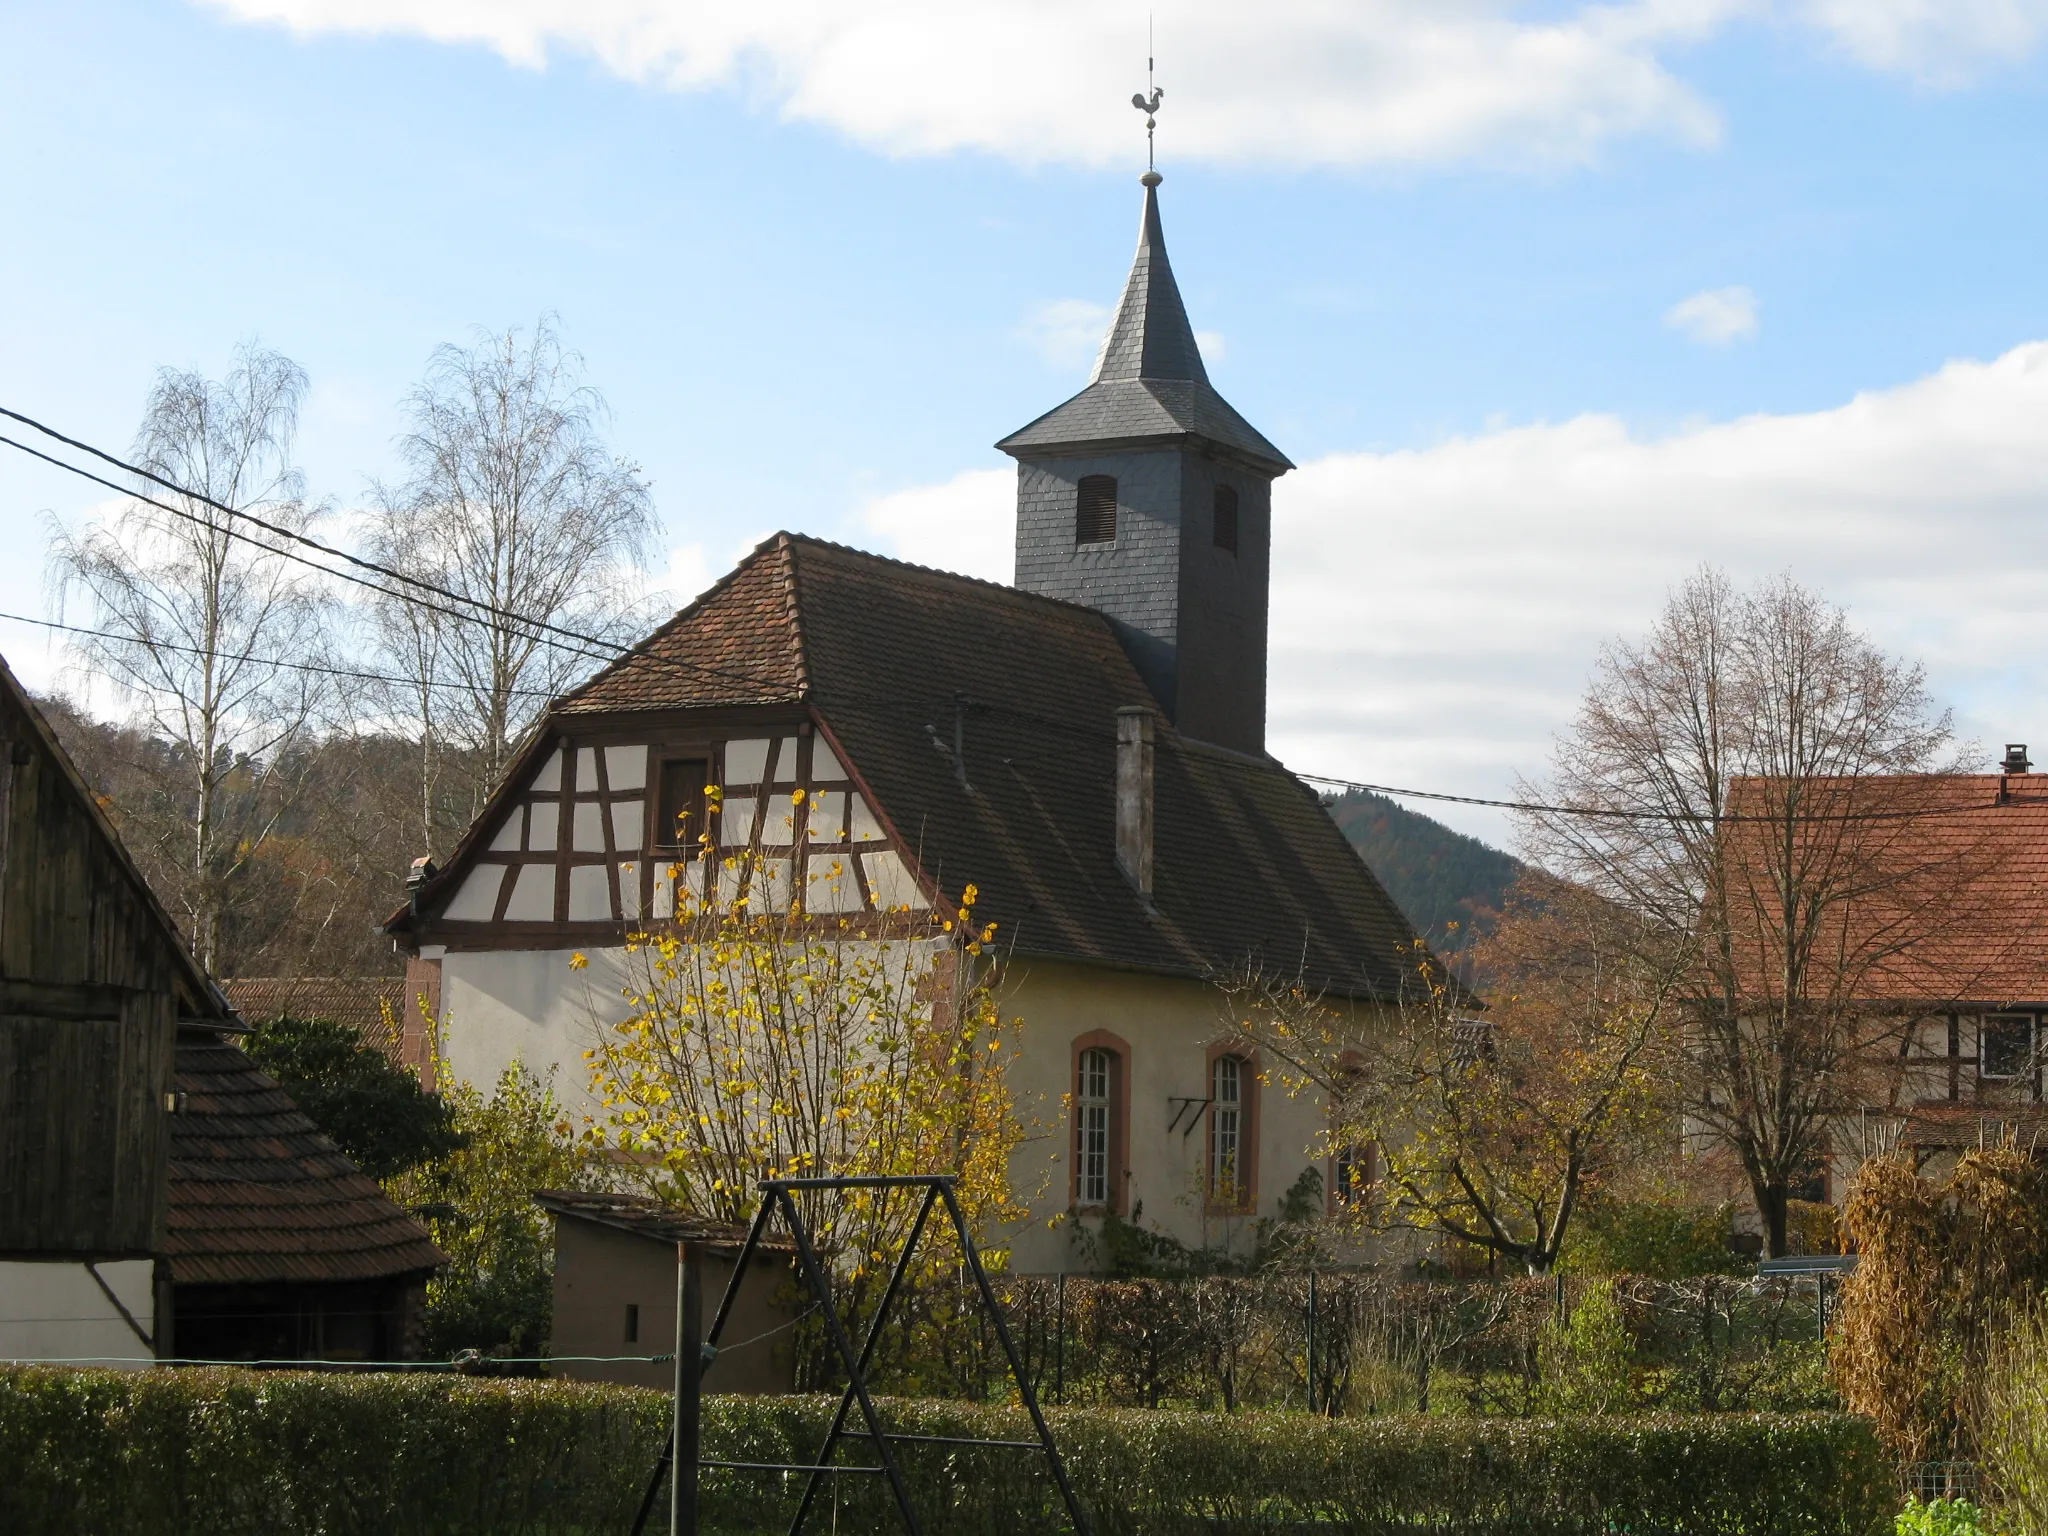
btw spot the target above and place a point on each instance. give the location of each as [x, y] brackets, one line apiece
[1248, 867]
[258, 1194]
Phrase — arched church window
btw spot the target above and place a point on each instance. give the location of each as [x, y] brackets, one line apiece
[1101, 1109]
[1091, 1127]
[1095, 510]
[1226, 1130]
[1223, 518]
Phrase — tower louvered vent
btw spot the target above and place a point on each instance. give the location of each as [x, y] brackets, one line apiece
[1223, 525]
[1095, 510]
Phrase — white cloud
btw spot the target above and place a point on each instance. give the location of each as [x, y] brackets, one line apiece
[1066, 333]
[1436, 612]
[968, 524]
[1295, 82]
[1211, 343]
[1937, 42]
[1716, 316]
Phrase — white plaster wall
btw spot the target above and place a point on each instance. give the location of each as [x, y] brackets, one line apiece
[1169, 1025]
[530, 1006]
[53, 1311]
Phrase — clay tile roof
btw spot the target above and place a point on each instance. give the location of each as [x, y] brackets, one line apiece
[1960, 862]
[371, 1005]
[1247, 864]
[738, 643]
[645, 1216]
[258, 1194]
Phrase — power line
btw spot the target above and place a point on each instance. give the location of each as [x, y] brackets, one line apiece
[580, 644]
[268, 661]
[566, 639]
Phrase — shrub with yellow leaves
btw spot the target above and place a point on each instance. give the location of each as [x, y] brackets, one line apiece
[759, 1040]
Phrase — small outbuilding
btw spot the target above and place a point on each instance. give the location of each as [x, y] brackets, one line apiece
[279, 1247]
[615, 1294]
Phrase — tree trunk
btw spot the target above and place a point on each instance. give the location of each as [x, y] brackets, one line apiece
[1771, 1199]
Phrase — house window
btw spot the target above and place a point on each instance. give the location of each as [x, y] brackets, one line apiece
[632, 1322]
[1223, 518]
[1093, 1144]
[679, 802]
[1226, 1130]
[1095, 510]
[2005, 1045]
[1351, 1175]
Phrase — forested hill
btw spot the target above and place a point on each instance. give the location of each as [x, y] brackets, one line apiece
[1436, 876]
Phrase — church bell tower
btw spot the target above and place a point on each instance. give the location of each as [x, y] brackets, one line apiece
[1147, 498]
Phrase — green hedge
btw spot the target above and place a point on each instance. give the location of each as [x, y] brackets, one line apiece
[226, 1452]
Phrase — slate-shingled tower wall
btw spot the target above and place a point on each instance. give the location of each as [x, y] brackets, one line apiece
[1192, 615]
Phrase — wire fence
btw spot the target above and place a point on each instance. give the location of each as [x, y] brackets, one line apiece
[1347, 1343]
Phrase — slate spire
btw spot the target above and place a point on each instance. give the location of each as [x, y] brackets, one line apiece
[1151, 337]
[1149, 385]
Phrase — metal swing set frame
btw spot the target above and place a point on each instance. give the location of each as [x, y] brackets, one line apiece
[682, 1450]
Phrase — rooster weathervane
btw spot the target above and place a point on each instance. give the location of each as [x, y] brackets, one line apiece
[1149, 105]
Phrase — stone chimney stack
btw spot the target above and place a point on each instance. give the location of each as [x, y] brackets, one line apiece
[1134, 795]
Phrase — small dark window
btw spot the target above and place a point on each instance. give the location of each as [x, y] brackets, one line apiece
[1095, 510]
[632, 1322]
[1223, 524]
[2006, 1045]
[679, 802]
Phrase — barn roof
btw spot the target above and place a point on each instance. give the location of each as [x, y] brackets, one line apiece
[892, 658]
[198, 996]
[258, 1193]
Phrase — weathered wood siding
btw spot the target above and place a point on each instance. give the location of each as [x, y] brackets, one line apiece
[90, 986]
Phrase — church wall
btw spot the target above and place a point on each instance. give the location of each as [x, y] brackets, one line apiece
[1170, 1025]
[531, 1006]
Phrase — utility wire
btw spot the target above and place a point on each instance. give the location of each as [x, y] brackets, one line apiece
[540, 628]
[577, 643]
[268, 661]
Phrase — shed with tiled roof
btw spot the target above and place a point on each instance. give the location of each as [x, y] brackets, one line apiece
[279, 1247]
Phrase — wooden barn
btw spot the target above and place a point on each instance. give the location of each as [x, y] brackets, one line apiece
[117, 1066]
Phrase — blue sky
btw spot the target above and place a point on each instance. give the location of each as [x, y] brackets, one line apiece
[1443, 253]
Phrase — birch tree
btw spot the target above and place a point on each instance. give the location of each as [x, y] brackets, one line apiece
[201, 619]
[512, 500]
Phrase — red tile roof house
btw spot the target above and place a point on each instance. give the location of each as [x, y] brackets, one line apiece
[158, 1195]
[1944, 959]
[1087, 747]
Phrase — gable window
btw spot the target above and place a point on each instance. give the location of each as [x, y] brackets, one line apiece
[679, 802]
[2005, 1045]
[1228, 1173]
[1095, 510]
[1223, 518]
[632, 1322]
